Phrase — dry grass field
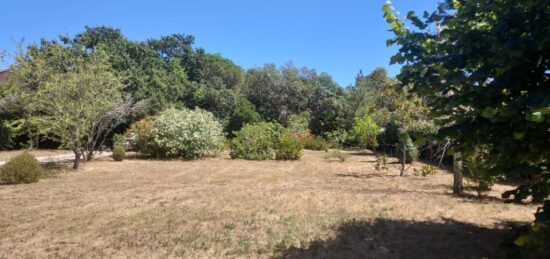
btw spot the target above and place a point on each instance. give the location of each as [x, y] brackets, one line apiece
[219, 207]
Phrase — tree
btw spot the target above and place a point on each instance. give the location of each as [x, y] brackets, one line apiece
[483, 68]
[410, 116]
[278, 93]
[366, 94]
[72, 96]
[244, 113]
[152, 71]
[327, 106]
[222, 73]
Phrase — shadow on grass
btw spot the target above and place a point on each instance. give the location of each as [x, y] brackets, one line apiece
[53, 169]
[468, 197]
[361, 153]
[367, 176]
[385, 238]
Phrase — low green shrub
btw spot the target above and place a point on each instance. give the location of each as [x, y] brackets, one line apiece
[316, 143]
[337, 154]
[119, 153]
[289, 148]
[425, 170]
[23, 168]
[365, 132]
[256, 141]
[410, 149]
[336, 138]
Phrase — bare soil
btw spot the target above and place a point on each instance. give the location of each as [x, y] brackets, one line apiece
[218, 207]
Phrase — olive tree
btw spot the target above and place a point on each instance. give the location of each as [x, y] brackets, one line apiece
[71, 95]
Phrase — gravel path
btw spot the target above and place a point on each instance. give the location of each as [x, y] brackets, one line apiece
[62, 158]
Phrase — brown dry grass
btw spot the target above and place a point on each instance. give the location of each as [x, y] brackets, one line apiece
[233, 208]
[6, 155]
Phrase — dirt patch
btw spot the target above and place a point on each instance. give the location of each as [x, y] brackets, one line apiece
[6, 155]
[219, 207]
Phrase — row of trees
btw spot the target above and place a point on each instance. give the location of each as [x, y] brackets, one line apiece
[77, 91]
[474, 83]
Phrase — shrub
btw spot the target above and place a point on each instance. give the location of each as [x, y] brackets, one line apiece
[475, 164]
[315, 143]
[425, 170]
[244, 113]
[256, 141]
[139, 134]
[410, 149]
[299, 124]
[381, 163]
[336, 138]
[365, 132]
[185, 133]
[337, 154]
[119, 153]
[23, 168]
[289, 148]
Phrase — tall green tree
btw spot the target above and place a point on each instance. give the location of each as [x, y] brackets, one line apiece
[151, 70]
[71, 96]
[277, 93]
[483, 66]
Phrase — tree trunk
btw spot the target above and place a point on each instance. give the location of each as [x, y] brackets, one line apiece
[76, 163]
[403, 158]
[458, 188]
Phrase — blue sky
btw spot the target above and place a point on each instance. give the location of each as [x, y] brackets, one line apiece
[339, 37]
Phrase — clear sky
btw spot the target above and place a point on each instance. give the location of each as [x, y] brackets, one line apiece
[338, 36]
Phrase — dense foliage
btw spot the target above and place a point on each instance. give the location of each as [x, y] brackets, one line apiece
[139, 135]
[186, 133]
[365, 132]
[119, 153]
[316, 143]
[244, 113]
[484, 72]
[23, 168]
[256, 141]
[68, 95]
[289, 147]
[406, 150]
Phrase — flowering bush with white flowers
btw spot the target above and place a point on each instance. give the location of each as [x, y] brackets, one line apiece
[186, 133]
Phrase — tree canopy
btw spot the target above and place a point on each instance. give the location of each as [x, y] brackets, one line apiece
[483, 67]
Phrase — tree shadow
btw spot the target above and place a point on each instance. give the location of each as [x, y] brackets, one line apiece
[367, 176]
[360, 152]
[384, 238]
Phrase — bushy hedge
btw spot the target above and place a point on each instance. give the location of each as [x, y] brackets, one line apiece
[289, 148]
[139, 134]
[119, 153]
[185, 133]
[23, 168]
[256, 141]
